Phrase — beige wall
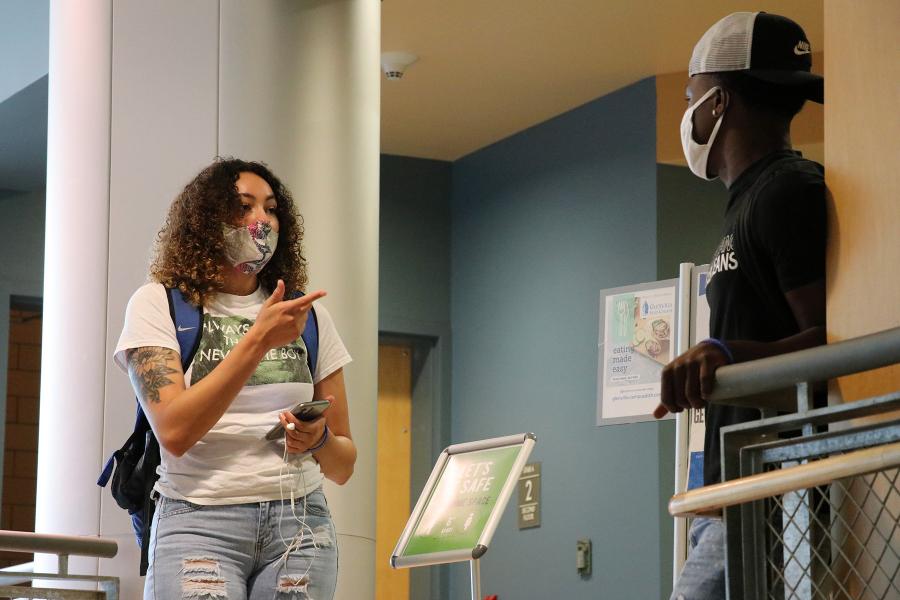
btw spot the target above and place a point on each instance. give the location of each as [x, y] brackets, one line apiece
[807, 130]
[862, 147]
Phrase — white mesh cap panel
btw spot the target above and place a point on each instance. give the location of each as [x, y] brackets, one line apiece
[725, 46]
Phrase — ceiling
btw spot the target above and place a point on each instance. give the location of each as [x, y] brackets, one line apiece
[24, 52]
[488, 69]
[24, 43]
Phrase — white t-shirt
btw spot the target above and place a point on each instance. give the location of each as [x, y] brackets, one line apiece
[233, 463]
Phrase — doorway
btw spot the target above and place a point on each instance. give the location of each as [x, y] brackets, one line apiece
[413, 427]
[394, 453]
[23, 381]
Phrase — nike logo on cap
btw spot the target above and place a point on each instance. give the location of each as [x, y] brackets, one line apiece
[180, 328]
[801, 48]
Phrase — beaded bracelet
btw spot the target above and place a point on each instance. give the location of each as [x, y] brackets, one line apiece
[721, 346]
[320, 443]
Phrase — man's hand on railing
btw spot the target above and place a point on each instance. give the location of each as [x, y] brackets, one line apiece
[690, 378]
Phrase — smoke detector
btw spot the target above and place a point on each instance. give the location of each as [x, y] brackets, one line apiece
[394, 63]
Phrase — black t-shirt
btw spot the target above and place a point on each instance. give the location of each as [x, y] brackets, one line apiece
[773, 241]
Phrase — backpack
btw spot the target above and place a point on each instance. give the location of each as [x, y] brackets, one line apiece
[133, 466]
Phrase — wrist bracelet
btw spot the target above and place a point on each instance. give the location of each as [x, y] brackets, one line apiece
[721, 346]
[320, 443]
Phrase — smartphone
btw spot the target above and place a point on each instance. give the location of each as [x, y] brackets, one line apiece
[305, 411]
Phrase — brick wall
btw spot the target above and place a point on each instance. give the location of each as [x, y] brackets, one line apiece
[20, 454]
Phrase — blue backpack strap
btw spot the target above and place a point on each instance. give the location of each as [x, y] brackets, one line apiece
[188, 320]
[107, 471]
[311, 339]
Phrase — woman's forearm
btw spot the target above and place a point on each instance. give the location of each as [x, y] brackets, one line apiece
[186, 418]
[337, 458]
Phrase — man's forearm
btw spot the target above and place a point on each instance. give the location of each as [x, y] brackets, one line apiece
[744, 350]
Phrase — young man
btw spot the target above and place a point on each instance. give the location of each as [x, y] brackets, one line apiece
[749, 76]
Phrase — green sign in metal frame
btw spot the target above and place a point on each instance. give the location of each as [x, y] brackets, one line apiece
[459, 509]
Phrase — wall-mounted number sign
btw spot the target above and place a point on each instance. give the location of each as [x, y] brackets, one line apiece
[530, 496]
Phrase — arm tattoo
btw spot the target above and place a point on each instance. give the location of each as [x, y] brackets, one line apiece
[148, 370]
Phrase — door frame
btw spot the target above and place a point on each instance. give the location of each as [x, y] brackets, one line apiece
[431, 354]
[10, 291]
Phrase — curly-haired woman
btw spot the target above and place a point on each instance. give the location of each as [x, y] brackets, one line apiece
[238, 516]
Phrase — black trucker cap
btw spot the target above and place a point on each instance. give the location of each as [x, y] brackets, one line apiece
[767, 47]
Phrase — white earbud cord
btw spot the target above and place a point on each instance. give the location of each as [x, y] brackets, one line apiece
[298, 539]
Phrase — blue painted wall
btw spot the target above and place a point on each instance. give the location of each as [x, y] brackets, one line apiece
[542, 221]
[414, 245]
[22, 242]
[24, 44]
[689, 218]
[21, 272]
[414, 306]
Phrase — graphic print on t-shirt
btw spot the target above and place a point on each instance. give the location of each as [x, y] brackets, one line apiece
[286, 364]
[724, 258]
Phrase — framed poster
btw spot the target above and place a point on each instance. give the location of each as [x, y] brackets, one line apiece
[462, 502]
[637, 339]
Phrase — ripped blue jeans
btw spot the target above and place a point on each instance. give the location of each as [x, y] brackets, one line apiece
[238, 551]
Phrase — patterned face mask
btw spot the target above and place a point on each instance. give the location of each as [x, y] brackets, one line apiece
[249, 247]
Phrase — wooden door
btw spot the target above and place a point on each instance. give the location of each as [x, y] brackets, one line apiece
[393, 466]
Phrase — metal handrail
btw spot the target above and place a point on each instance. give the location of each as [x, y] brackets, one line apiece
[705, 500]
[781, 372]
[63, 545]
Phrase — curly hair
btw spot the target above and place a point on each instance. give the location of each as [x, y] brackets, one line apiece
[190, 248]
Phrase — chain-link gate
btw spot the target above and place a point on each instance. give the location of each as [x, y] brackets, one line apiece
[836, 541]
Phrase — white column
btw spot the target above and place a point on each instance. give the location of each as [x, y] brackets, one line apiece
[300, 90]
[164, 123]
[74, 335]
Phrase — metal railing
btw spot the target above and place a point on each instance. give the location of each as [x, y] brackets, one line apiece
[769, 382]
[811, 500]
[62, 546]
[790, 479]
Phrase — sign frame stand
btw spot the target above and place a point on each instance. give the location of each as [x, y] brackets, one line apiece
[475, 575]
[426, 513]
